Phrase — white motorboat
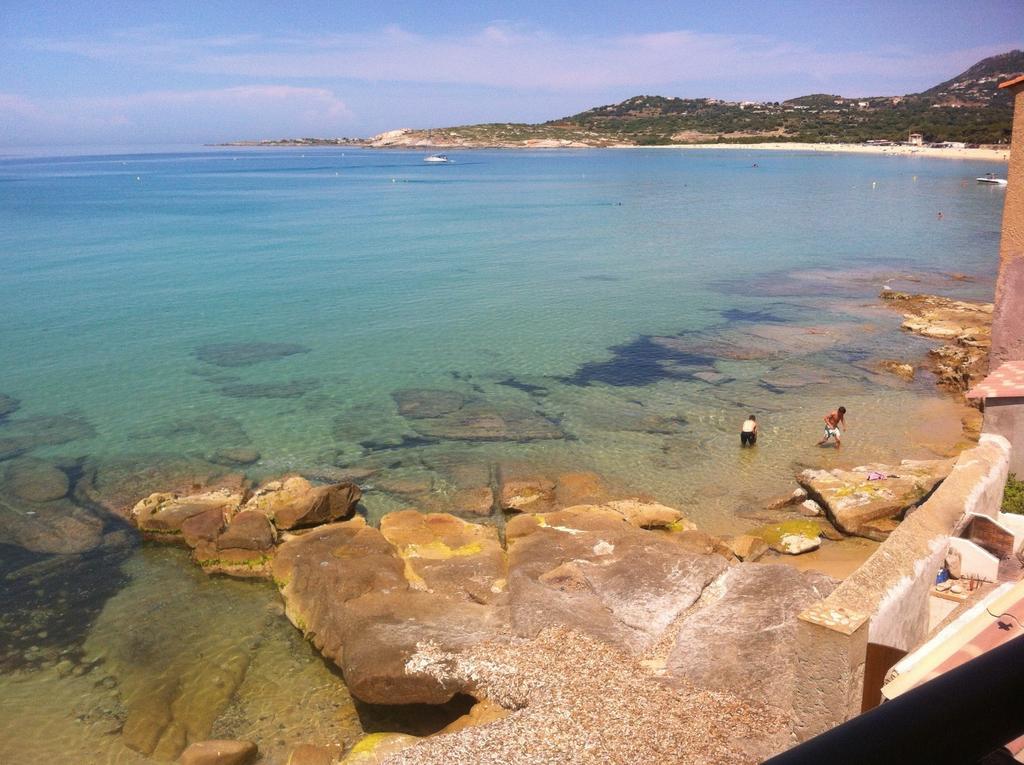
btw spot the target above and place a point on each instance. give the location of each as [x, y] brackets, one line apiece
[991, 178]
[437, 158]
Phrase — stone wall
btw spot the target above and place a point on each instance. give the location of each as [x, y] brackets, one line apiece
[1006, 416]
[886, 600]
[1008, 325]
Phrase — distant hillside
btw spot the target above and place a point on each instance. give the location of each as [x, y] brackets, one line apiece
[968, 108]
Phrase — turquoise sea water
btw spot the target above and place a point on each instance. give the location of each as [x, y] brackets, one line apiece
[395, 274]
[636, 303]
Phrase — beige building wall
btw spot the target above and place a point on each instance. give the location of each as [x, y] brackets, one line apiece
[1008, 323]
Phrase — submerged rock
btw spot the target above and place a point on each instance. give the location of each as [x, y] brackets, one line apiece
[527, 494]
[118, 484]
[246, 354]
[524, 491]
[8, 405]
[426, 403]
[219, 752]
[852, 499]
[482, 422]
[235, 456]
[45, 430]
[35, 480]
[290, 389]
[59, 526]
[743, 642]
[295, 502]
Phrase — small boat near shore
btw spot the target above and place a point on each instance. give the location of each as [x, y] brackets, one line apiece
[990, 178]
[437, 159]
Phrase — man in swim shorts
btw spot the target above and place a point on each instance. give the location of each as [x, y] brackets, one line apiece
[832, 422]
[748, 435]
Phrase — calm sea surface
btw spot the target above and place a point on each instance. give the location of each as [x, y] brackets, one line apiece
[635, 305]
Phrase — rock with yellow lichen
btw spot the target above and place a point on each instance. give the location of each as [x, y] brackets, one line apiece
[375, 748]
[854, 499]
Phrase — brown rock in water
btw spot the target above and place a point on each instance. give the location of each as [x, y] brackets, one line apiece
[852, 501]
[580, 489]
[219, 752]
[898, 368]
[747, 547]
[204, 527]
[344, 585]
[57, 527]
[243, 549]
[446, 555]
[310, 754]
[527, 495]
[798, 496]
[162, 515]
[743, 642]
[589, 569]
[35, 480]
[294, 502]
[965, 326]
[702, 543]
[240, 455]
[477, 501]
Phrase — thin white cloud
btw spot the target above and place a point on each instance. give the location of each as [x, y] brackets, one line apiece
[517, 57]
[161, 115]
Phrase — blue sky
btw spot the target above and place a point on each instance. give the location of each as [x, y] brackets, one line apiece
[122, 73]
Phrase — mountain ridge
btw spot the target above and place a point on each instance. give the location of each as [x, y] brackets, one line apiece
[967, 108]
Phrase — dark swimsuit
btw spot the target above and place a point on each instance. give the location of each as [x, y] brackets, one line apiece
[748, 438]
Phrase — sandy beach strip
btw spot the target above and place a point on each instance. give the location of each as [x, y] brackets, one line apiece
[984, 154]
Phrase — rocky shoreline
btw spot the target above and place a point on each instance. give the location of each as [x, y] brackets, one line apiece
[430, 606]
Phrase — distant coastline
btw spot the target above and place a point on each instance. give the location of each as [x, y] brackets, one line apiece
[984, 153]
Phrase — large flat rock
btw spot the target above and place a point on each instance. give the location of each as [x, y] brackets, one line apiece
[591, 570]
[743, 643]
[853, 502]
[345, 587]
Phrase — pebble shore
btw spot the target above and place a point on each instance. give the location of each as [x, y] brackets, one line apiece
[579, 701]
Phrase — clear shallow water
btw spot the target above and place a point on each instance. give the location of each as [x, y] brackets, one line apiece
[533, 282]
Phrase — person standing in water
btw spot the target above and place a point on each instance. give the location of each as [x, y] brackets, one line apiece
[832, 422]
[748, 434]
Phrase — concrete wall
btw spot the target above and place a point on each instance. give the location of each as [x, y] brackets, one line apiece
[1005, 417]
[1008, 319]
[886, 599]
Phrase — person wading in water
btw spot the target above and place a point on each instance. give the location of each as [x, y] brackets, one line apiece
[832, 423]
[748, 434]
